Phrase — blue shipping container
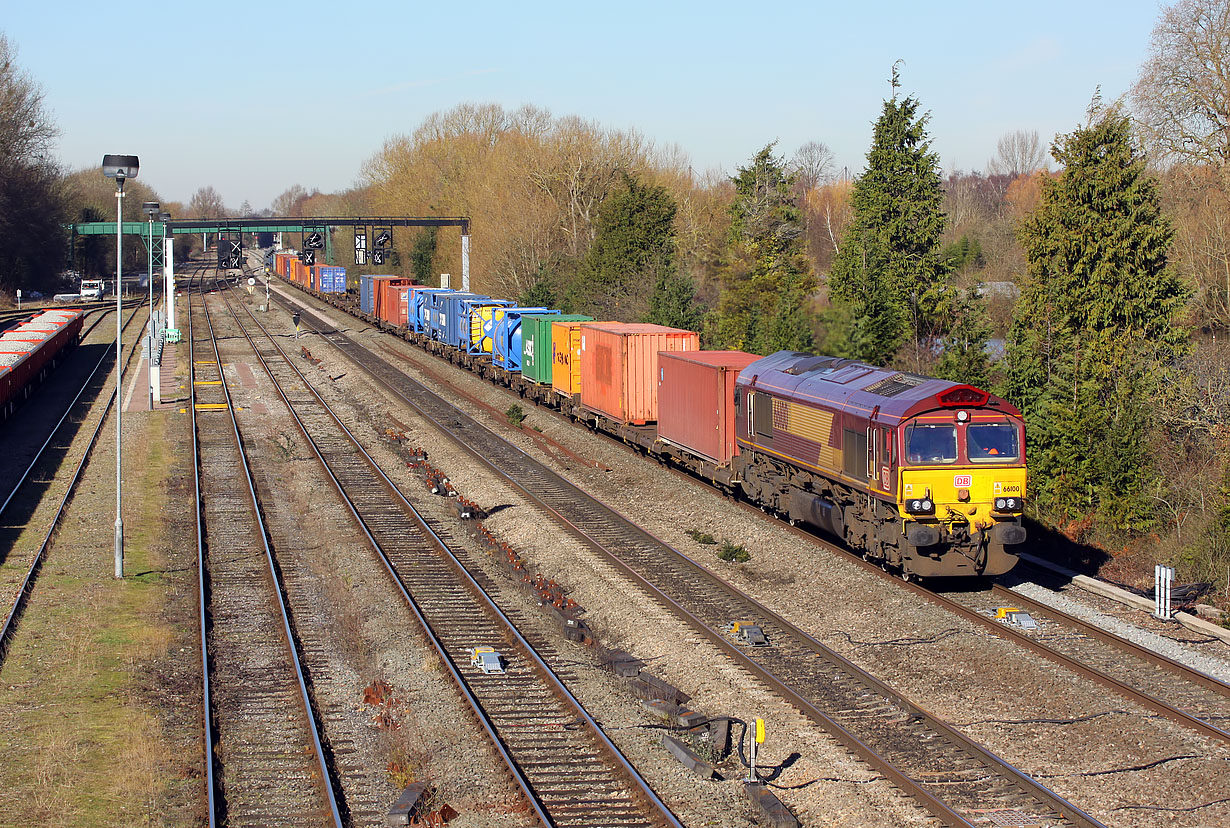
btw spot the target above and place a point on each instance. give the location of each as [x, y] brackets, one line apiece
[437, 318]
[332, 279]
[457, 320]
[367, 297]
[420, 306]
[507, 347]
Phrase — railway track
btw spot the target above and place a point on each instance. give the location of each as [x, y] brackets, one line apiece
[569, 770]
[955, 779]
[18, 575]
[265, 762]
[1173, 690]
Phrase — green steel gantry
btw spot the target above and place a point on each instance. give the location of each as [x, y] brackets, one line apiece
[267, 225]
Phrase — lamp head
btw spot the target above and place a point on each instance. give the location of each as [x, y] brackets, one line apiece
[120, 167]
[164, 216]
[151, 209]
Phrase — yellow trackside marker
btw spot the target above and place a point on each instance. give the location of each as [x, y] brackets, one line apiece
[205, 362]
[209, 406]
[208, 382]
[760, 731]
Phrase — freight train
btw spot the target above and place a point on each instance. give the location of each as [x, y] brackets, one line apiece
[30, 350]
[924, 476]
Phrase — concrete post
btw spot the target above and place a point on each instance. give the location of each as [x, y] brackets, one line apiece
[465, 261]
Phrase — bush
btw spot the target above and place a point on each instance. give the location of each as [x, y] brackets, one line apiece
[733, 552]
[701, 537]
[515, 415]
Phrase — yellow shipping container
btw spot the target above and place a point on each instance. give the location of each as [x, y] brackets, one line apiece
[566, 357]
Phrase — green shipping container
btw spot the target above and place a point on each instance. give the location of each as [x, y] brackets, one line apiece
[536, 344]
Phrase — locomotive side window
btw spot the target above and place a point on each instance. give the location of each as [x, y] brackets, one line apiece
[854, 453]
[992, 442]
[931, 443]
[760, 413]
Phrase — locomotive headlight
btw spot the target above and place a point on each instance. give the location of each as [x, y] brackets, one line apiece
[1001, 503]
[1009, 504]
[962, 416]
[920, 506]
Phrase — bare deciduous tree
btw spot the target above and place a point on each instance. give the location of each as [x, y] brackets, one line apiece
[26, 129]
[1182, 97]
[290, 201]
[1018, 153]
[813, 164]
[31, 202]
[206, 203]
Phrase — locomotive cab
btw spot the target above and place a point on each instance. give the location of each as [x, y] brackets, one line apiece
[962, 482]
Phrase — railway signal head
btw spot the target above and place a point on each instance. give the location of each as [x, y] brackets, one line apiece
[384, 238]
[314, 241]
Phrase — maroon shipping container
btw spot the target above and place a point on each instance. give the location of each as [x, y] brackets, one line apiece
[387, 297]
[696, 392]
[619, 367]
[395, 307]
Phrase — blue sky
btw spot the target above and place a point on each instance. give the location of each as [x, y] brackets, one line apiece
[254, 97]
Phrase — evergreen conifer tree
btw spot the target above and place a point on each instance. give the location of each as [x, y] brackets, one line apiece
[673, 303]
[423, 255]
[1095, 325]
[889, 269]
[632, 251]
[767, 280]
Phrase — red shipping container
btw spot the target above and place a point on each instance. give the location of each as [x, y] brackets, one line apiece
[696, 392]
[619, 367]
[386, 296]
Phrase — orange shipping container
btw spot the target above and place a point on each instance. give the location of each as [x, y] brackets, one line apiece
[566, 357]
[619, 367]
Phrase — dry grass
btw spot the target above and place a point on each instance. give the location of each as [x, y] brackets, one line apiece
[80, 739]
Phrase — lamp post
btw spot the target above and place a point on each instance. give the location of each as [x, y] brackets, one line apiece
[151, 209]
[121, 168]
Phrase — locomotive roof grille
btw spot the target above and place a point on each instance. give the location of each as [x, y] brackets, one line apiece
[894, 385]
[826, 364]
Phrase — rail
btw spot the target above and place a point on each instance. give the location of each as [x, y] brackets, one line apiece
[261, 783]
[425, 570]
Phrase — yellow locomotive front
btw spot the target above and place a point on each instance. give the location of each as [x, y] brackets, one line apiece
[962, 484]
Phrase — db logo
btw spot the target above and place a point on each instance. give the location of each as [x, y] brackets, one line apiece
[962, 481]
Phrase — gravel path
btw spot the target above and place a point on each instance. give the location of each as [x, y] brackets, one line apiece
[1213, 665]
